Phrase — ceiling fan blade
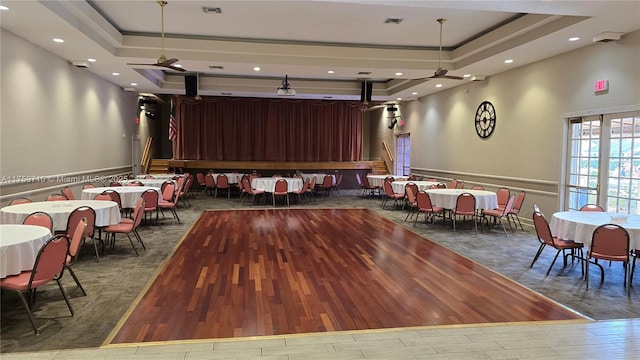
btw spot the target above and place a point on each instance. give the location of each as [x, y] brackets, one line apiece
[168, 62]
[175, 68]
[145, 64]
[452, 77]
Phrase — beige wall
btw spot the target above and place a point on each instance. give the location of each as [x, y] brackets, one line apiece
[525, 150]
[56, 119]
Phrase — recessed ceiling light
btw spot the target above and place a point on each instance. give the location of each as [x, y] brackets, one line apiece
[438, 85]
[2, 7]
[331, 72]
[466, 75]
[257, 68]
[575, 38]
[414, 93]
[177, 65]
[398, 99]
[508, 61]
[134, 84]
[115, 74]
[398, 74]
[91, 60]
[58, 40]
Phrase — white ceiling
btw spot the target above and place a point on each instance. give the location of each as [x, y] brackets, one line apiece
[305, 39]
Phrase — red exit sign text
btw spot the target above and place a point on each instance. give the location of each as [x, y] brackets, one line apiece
[601, 85]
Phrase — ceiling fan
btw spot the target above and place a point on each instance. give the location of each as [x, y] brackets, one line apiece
[162, 60]
[440, 72]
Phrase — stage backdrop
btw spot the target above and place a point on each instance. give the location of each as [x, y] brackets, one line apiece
[251, 129]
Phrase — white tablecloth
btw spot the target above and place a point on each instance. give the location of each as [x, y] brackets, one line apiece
[129, 195]
[579, 225]
[232, 178]
[446, 198]
[319, 178]
[376, 180]
[107, 212]
[399, 186]
[268, 184]
[159, 176]
[149, 182]
[19, 246]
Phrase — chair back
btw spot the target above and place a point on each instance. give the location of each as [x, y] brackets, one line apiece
[423, 201]
[365, 181]
[388, 188]
[281, 187]
[50, 261]
[209, 181]
[592, 207]
[181, 184]
[503, 196]
[389, 179]
[200, 178]
[327, 181]
[39, 218]
[88, 186]
[76, 239]
[138, 212]
[135, 183]
[411, 177]
[542, 229]
[151, 199]
[477, 187]
[410, 191]
[517, 205]
[312, 184]
[168, 190]
[20, 201]
[338, 179]
[222, 181]
[305, 186]
[465, 204]
[102, 196]
[115, 196]
[68, 193]
[610, 242]
[441, 186]
[149, 176]
[114, 183]
[56, 197]
[453, 184]
[85, 213]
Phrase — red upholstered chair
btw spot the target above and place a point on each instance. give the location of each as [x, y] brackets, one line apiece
[592, 207]
[210, 184]
[426, 207]
[49, 265]
[453, 184]
[500, 214]
[135, 183]
[547, 239]
[609, 242]
[114, 183]
[302, 191]
[149, 176]
[182, 192]
[20, 201]
[338, 183]
[410, 193]
[327, 184]
[251, 191]
[171, 203]
[88, 186]
[312, 188]
[222, 183]
[76, 236]
[68, 193]
[128, 228]
[281, 189]
[477, 187]
[56, 197]
[465, 206]
[503, 197]
[151, 201]
[39, 218]
[201, 183]
[517, 205]
[388, 191]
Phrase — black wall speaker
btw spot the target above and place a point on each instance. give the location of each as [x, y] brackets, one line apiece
[365, 92]
[191, 85]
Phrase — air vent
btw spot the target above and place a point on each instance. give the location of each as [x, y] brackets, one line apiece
[214, 10]
[364, 73]
[217, 67]
[395, 21]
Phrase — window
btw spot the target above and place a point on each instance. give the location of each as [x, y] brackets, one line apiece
[403, 155]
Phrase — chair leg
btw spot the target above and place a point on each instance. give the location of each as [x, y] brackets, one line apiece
[553, 262]
[133, 245]
[538, 254]
[137, 235]
[28, 310]
[64, 294]
[75, 278]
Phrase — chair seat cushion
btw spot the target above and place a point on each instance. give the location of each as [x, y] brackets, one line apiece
[567, 244]
[166, 204]
[20, 282]
[119, 228]
[493, 212]
[609, 257]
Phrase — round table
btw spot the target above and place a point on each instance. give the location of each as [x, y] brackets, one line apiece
[319, 178]
[399, 186]
[19, 247]
[232, 178]
[268, 184]
[149, 182]
[376, 180]
[129, 195]
[446, 198]
[107, 212]
[579, 225]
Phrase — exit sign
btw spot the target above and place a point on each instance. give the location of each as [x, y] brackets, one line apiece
[601, 85]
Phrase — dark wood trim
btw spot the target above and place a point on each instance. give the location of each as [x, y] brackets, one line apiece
[270, 165]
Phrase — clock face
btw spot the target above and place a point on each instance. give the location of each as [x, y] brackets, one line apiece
[485, 119]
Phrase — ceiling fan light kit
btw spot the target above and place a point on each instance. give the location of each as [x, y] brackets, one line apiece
[285, 89]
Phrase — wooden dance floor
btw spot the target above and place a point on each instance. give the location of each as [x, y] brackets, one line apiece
[240, 273]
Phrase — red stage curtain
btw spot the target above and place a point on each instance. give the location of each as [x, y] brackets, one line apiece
[251, 129]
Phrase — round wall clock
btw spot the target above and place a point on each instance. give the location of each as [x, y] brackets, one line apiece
[485, 121]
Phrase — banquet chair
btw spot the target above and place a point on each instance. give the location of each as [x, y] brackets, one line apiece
[311, 189]
[251, 191]
[201, 183]
[545, 238]
[592, 207]
[440, 186]
[327, 184]
[410, 190]
[169, 201]
[114, 196]
[49, 265]
[515, 210]
[465, 206]
[114, 183]
[209, 184]
[87, 214]
[609, 242]
[388, 190]
[68, 193]
[367, 186]
[151, 201]
[635, 254]
[241, 189]
[281, 189]
[77, 236]
[135, 183]
[453, 184]
[302, 192]
[149, 176]
[460, 184]
[56, 197]
[503, 197]
[500, 214]
[222, 182]
[88, 186]
[425, 206]
[361, 188]
[336, 186]
[129, 228]
[477, 187]
[17, 201]
[181, 193]
[39, 218]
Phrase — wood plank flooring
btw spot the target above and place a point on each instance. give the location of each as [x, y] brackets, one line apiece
[241, 273]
